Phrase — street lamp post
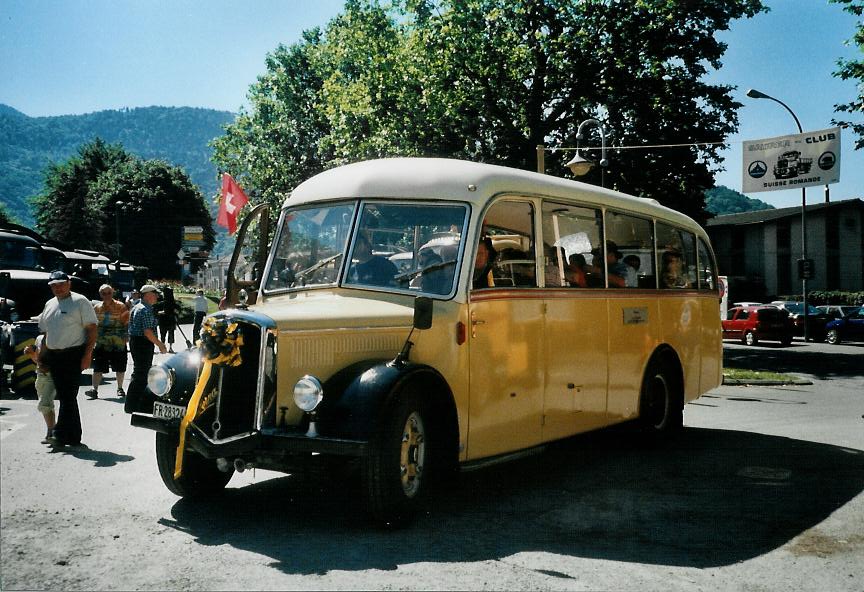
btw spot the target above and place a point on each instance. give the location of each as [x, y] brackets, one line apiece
[755, 94]
[117, 206]
[580, 166]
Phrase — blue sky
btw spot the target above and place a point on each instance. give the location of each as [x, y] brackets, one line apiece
[63, 57]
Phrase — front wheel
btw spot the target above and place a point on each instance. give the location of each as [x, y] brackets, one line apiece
[833, 337]
[395, 473]
[200, 476]
[661, 404]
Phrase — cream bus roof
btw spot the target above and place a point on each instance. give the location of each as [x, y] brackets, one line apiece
[449, 179]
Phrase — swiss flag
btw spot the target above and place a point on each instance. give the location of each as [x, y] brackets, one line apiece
[233, 199]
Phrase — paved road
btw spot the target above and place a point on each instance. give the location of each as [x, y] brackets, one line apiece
[762, 491]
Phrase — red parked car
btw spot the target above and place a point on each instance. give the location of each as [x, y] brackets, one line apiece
[752, 324]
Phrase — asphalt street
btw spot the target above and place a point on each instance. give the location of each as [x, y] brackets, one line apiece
[763, 490]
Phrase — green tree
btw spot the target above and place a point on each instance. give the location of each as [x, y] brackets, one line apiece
[64, 211]
[271, 149]
[79, 206]
[853, 70]
[722, 200]
[155, 201]
[5, 216]
[489, 80]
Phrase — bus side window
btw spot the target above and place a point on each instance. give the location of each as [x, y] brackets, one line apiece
[633, 240]
[706, 272]
[676, 254]
[570, 234]
[510, 227]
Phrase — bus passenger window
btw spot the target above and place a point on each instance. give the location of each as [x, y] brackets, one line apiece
[629, 251]
[676, 250]
[707, 274]
[570, 236]
[509, 226]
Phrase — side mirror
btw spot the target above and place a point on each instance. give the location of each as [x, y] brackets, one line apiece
[422, 312]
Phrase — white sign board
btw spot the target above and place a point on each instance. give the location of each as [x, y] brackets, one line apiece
[789, 162]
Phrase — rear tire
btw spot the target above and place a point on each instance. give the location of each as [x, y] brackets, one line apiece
[200, 478]
[661, 403]
[786, 341]
[396, 471]
[750, 338]
[833, 337]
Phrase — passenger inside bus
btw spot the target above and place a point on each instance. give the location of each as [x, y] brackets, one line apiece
[673, 275]
[483, 264]
[575, 271]
[433, 278]
[617, 269]
[369, 268]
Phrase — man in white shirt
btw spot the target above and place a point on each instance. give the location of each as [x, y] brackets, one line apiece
[201, 307]
[69, 324]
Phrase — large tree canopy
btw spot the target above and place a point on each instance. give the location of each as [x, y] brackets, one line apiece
[488, 80]
[103, 193]
[853, 70]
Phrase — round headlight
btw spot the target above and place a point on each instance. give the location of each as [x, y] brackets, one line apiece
[308, 393]
[160, 380]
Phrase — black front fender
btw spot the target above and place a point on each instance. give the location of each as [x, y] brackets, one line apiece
[355, 397]
[185, 366]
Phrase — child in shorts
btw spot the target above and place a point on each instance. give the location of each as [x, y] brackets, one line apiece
[44, 387]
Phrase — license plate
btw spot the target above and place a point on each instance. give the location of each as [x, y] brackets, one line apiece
[168, 411]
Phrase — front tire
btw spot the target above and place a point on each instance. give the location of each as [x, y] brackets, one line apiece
[833, 337]
[661, 403]
[395, 473]
[200, 478]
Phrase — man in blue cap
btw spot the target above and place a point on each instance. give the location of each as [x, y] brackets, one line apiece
[69, 324]
[143, 335]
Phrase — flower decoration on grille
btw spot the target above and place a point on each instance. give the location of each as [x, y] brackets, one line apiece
[221, 341]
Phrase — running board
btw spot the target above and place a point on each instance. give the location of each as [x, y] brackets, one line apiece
[474, 465]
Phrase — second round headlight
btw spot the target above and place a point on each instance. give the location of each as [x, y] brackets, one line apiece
[160, 380]
[308, 393]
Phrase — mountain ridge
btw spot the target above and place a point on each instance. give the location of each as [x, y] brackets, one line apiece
[178, 135]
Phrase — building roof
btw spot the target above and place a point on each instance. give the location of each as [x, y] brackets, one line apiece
[760, 216]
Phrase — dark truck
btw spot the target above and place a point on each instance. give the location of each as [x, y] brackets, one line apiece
[26, 261]
[791, 164]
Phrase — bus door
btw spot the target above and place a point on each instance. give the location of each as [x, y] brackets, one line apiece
[505, 336]
[576, 332]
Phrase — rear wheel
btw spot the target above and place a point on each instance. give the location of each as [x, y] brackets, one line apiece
[661, 404]
[786, 341]
[750, 338]
[833, 337]
[200, 476]
[395, 473]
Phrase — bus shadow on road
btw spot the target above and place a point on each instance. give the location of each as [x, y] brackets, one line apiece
[709, 498]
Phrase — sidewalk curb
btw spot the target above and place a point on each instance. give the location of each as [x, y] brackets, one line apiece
[764, 382]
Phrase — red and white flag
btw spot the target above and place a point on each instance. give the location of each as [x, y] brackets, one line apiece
[233, 199]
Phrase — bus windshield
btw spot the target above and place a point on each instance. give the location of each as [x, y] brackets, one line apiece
[395, 246]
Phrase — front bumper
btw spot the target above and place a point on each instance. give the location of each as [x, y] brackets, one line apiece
[263, 442]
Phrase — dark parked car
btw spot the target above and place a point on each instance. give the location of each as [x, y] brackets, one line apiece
[752, 324]
[816, 319]
[837, 311]
[848, 328]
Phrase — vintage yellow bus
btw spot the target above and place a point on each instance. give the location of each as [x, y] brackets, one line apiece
[414, 316]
